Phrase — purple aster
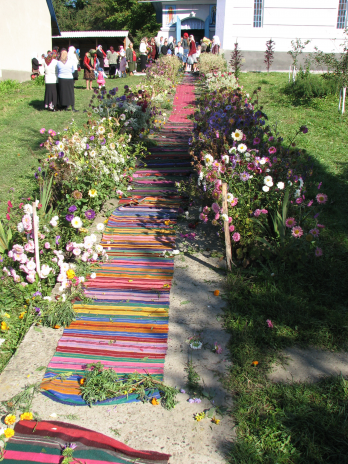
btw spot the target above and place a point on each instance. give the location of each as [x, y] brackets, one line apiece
[38, 311]
[91, 138]
[197, 400]
[87, 146]
[72, 209]
[61, 154]
[191, 400]
[57, 239]
[90, 214]
[69, 217]
[244, 176]
[37, 294]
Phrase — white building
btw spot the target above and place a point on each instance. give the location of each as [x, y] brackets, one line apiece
[253, 22]
[26, 28]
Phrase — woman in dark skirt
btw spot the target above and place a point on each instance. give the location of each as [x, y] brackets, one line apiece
[66, 81]
[51, 81]
[89, 63]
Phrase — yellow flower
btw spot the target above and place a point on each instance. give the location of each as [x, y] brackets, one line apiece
[70, 274]
[92, 193]
[26, 416]
[255, 363]
[155, 402]
[215, 421]
[199, 416]
[10, 419]
[167, 222]
[82, 381]
[9, 433]
[4, 326]
[7, 315]
[21, 315]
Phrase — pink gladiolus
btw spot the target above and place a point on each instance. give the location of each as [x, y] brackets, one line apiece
[310, 203]
[257, 212]
[264, 211]
[269, 323]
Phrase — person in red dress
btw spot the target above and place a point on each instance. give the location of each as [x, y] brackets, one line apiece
[192, 57]
[89, 63]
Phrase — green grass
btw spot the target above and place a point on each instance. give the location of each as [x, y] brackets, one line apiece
[22, 115]
[307, 304]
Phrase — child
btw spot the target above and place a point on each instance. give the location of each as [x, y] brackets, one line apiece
[101, 80]
[123, 65]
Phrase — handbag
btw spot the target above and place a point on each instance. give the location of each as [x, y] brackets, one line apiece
[76, 75]
[190, 60]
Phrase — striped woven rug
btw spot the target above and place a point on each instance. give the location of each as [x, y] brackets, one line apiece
[44, 441]
[126, 326]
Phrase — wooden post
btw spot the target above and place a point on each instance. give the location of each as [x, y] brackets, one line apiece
[344, 100]
[340, 100]
[36, 239]
[226, 228]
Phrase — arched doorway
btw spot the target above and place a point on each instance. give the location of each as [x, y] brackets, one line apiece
[194, 26]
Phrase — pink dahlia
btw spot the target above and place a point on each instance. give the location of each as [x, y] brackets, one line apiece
[296, 232]
[290, 222]
[318, 252]
[215, 207]
[231, 228]
[321, 198]
[236, 237]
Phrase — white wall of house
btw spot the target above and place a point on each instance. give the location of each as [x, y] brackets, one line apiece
[283, 21]
[25, 29]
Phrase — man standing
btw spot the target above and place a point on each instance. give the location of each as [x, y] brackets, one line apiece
[165, 48]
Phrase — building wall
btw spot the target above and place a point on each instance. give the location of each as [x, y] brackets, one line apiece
[201, 11]
[283, 21]
[25, 30]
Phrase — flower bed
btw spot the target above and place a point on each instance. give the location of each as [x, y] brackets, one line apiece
[81, 168]
[273, 203]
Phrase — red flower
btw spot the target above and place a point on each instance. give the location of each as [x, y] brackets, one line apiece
[39, 206]
[10, 204]
[8, 217]
[8, 209]
[21, 205]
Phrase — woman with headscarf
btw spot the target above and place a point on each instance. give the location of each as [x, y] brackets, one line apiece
[143, 54]
[89, 63]
[113, 58]
[66, 69]
[215, 47]
[131, 58]
[51, 81]
[72, 56]
[192, 56]
[101, 55]
[186, 46]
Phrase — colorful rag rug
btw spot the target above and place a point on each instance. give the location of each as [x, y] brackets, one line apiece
[43, 442]
[126, 325]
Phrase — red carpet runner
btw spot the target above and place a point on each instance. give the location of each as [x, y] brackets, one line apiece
[126, 326]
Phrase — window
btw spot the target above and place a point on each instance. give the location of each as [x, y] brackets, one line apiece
[342, 14]
[258, 10]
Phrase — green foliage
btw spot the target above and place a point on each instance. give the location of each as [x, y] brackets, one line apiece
[9, 86]
[5, 237]
[193, 380]
[297, 47]
[308, 86]
[22, 401]
[101, 384]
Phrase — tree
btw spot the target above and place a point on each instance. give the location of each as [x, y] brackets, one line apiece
[269, 53]
[236, 60]
[130, 15]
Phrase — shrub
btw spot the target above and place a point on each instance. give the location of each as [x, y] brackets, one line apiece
[269, 53]
[39, 81]
[309, 86]
[8, 86]
[209, 63]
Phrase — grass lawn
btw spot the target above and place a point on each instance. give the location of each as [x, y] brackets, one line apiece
[307, 304]
[22, 115]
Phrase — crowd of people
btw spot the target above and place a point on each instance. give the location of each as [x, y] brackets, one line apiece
[187, 50]
[60, 68]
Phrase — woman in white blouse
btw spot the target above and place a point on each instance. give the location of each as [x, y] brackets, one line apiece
[51, 81]
[66, 69]
[143, 55]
